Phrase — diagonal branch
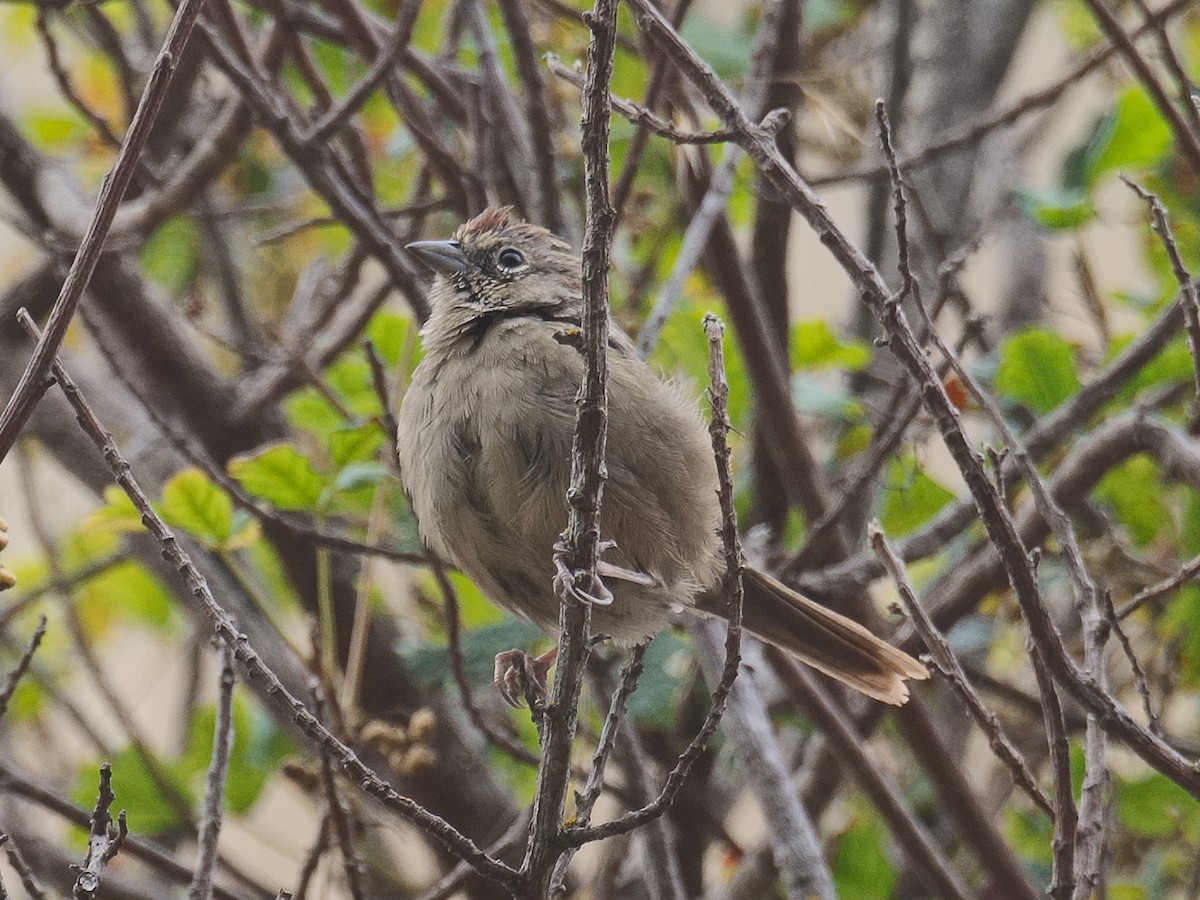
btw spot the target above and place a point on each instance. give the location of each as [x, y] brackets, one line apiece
[20, 404]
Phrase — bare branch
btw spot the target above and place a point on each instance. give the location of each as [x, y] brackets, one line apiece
[214, 781]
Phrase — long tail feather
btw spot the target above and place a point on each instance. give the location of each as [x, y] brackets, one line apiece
[825, 640]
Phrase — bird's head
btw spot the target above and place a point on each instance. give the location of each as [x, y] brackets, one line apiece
[496, 265]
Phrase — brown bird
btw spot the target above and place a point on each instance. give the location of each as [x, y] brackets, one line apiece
[484, 443]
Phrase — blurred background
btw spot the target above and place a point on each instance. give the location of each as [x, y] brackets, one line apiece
[251, 327]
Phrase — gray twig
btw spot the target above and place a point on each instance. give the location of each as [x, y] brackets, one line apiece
[214, 781]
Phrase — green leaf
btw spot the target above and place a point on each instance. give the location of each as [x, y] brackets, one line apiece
[350, 377]
[127, 588]
[1134, 490]
[359, 475]
[1037, 369]
[656, 702]
[1030, 834]
[171, 257]
[308, 409]
[1133, 135]
[389, 332]
[118, 515]
[1056, 210]
[1155, 807]
[192, 502]
[259, 748]
[355, 443]
[1181, 623]
[430, 665]
[281, 475]
[913, 498]
[814, 346]
[860, 865]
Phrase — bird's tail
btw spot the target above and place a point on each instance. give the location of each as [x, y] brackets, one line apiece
[823, 639]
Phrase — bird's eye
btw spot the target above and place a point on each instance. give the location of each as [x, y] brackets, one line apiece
[510, 259]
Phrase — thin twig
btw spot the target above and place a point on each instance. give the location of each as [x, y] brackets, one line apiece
[29, 881]
[640, 115]
[1188, 572]
[585, 800]
[454, 650]
[339, 815]
[14, 677]
[537, 111]
[1191, 299]
[1089, 835]
[337, 116]
[214, 781]
[947, 663]
[1139, 674]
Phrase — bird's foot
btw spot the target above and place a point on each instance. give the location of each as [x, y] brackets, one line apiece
[519, 675]
[566, 580]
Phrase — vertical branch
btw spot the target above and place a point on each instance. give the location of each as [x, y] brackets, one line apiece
[577, 555]
[731, 584]
[214, 781]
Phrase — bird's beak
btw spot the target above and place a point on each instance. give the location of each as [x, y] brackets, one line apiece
[444, 257]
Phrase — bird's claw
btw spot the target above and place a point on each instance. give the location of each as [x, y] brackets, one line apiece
[519, 675]
[567, 581]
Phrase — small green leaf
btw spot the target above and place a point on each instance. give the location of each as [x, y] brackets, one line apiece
[1037, 369]
[358, 475]
[1134, 489]
[913, 498]
[1133, 136]
[259, 748]
[1181, 623]
[355, 443]
[1155, 807]
[281, 475]
[815, 346]
[192, 502]
[117, 516]
[171, 257]
[350, 377]
[388, 332]
[126, 587]
[861, 868]
[309, 410]
[1056, 210]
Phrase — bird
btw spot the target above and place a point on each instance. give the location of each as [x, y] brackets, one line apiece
[484, 435]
